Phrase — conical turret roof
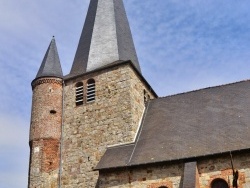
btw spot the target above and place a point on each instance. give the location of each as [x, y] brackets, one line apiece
[51, 66]
[105, 38]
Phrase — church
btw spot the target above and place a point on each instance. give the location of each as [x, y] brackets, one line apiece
[103, 126]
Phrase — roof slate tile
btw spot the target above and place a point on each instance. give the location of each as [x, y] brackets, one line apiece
[204, 122]
[51, 65]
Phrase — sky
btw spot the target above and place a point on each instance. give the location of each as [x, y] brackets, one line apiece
[181, 46]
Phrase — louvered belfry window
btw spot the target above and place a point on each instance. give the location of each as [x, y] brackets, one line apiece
[91, 90]
[79, 93]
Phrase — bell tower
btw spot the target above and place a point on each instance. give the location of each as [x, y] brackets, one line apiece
[100, 103]
[46, 120]
[104, 93]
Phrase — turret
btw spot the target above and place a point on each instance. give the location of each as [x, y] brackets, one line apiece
[46, 121]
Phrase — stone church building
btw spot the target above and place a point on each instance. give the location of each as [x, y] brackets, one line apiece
[103, 126]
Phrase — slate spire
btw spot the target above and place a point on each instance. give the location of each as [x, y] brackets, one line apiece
[105, 38]
[51, 66]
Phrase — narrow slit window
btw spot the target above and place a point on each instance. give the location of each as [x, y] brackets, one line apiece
[148, 97]
[145, 96]
[91, 90]
[79, 93]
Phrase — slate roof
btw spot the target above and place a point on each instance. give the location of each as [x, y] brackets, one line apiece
[105, 38]
[205, 122]
[51, 65]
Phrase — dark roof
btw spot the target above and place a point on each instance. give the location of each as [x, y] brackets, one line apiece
[51, 65]
[194, 124]
[100, 43]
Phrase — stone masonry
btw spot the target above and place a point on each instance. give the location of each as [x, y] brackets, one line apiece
[45, 132]
[171, 174]
[220, 167]
[113, 118]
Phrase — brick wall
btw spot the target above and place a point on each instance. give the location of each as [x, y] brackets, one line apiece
[45, 132]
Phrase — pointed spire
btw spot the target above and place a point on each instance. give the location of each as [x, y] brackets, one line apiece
[106, 37]
[51, 65]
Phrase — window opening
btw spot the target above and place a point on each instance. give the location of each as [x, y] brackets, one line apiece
[52, 111]
[145, 95]
[79, 93]
[91, 90]
[148, 97]
[219, 183]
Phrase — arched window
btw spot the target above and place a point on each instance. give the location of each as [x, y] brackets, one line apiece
[162, 187]
[219, 183]
[91, 90]
[79, 93]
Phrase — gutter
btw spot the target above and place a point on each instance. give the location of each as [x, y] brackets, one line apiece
[185, 159]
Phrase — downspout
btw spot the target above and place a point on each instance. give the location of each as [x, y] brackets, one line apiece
[61, 142]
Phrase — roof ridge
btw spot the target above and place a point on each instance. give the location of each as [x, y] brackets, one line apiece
[206, 88]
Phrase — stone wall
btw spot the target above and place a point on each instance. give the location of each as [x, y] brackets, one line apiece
[45, 133]
[113, 118]
[171, 174]
[210, 169]
[144, 177]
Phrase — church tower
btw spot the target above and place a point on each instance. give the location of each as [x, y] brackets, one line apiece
[101, 101]
[97, 119]
[104, 93]
[46, 120]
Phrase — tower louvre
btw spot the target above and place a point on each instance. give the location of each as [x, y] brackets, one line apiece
[105, 38]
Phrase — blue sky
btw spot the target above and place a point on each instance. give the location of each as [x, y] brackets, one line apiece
[181, 45]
